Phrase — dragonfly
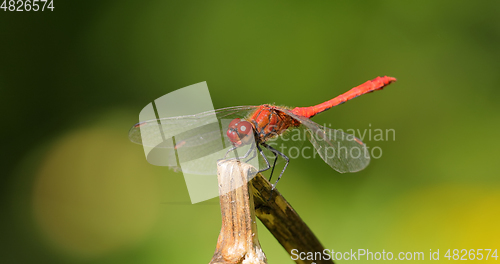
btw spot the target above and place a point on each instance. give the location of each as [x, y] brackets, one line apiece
[198, 136]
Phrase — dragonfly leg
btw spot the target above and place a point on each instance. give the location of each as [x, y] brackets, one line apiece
[231, 149]
[252, 148]
[274, 165]
[265, 159]
[282, 155]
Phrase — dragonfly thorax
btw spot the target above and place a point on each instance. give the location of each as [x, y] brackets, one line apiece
[270, 121]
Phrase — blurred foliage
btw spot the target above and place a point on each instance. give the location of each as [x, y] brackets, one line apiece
[72, 82]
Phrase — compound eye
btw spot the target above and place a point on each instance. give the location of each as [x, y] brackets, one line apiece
[233, 123]
[244, 128]
[233, 136]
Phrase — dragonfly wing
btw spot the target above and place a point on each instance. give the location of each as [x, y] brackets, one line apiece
[153, 132]
[342, 151]
[193, 142]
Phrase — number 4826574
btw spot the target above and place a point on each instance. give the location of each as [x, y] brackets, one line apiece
[27, 5]
[471, 254]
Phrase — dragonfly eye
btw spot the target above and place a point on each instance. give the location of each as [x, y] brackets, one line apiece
[233, 137]
[244, 128]
[234, 123]
[238, 132]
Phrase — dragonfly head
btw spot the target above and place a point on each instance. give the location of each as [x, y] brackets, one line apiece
[240, 132]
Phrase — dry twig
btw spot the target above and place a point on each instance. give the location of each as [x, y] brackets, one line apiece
[238, 241]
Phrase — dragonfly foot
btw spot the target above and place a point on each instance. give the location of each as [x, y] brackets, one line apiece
[270, 197]
[272, 191]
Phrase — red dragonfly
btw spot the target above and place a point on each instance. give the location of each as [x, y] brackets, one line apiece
[198, 137]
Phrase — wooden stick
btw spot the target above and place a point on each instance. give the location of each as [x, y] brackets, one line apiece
[238, 241]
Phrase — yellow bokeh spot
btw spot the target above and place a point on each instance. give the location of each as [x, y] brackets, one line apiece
[94, 193]
[448, 217]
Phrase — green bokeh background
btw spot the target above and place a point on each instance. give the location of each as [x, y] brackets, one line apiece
[73, 189]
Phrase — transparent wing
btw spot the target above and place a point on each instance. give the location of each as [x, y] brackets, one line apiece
[343, 152]
[150, 132]
[192, 142]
